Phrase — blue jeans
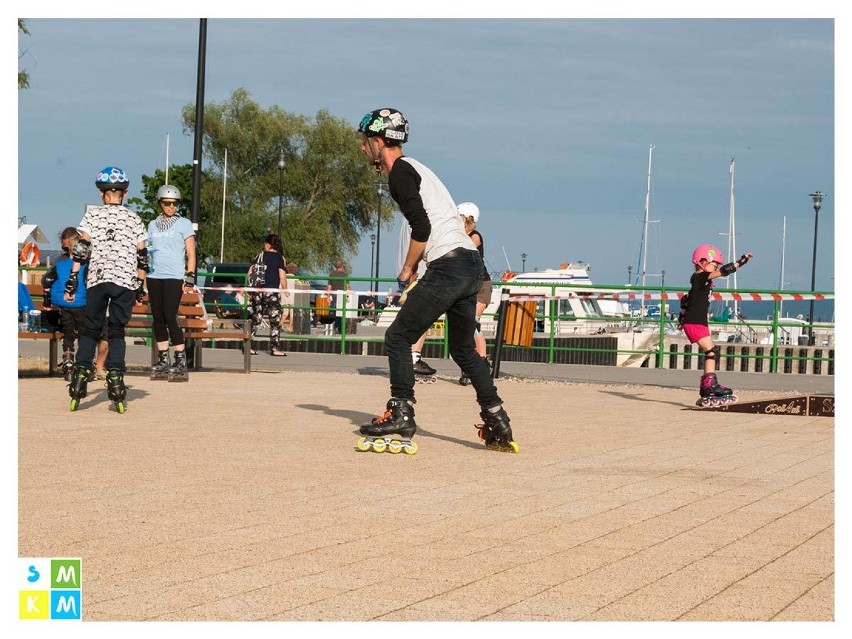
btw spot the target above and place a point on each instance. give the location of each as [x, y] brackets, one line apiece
[449, 286]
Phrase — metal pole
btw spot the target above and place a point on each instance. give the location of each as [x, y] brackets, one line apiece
[280, 188]
[378, 230]
[373, 285]
[199, 123]
[817, 197]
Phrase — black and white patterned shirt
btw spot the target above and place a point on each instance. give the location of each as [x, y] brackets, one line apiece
[115, 231]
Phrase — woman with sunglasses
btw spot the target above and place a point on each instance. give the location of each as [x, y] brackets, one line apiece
[172, 253]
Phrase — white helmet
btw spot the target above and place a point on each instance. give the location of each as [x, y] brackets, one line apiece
[167, 191]
[469, 209]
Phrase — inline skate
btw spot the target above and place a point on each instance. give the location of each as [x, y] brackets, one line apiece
[712, 393]
[398, 420]
[495, 431]
[179, 371]
[78, 387]
[116, 390]
[464, 380]
[160, 370]
[423, 373]
[67, 364]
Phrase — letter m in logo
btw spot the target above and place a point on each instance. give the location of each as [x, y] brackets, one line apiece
[65, 573]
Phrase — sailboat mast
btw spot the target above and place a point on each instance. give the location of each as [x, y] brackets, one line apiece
[167, 159]
[783, 255]
[732, 235]
[645, 225]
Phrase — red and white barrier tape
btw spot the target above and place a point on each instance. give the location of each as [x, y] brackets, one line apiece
[740, 297]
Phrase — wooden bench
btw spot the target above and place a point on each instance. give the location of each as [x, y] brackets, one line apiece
[192, 318]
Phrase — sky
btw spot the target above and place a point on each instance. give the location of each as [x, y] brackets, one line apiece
[541, 118]
[546, 124]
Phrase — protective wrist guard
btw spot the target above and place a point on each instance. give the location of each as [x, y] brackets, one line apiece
[189, 278]
[71, 284]
[143, 260]
[742, 261]
[140, 292]
[728, 268]
[82, 251]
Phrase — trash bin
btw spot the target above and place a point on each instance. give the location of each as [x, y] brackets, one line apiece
[803, 340]
[520, 323]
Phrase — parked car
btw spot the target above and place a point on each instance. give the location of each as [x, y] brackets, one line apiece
[224, 303]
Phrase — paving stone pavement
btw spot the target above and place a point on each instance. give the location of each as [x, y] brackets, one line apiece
[242, 497]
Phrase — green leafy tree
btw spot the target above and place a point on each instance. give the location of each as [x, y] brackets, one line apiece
[23, 76]
[179, 176]
[327, 188]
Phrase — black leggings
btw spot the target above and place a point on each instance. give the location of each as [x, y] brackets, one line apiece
[165, 299]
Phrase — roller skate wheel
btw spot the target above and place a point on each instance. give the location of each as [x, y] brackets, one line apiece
[410, 448]
[515, 447]
[74, 404]
[120, 407]
[363, 445]
[380, 445]
[464, 381]
[395, 447]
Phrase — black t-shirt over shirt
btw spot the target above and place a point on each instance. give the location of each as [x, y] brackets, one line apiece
[698, 306]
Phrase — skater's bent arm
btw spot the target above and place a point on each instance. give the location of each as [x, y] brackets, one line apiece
[412, 259]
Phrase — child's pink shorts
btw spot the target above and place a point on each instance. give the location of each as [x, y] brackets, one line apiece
[695, 332]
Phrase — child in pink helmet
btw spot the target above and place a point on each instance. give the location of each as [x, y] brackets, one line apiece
[695, 308]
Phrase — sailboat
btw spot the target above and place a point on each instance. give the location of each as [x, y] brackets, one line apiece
[642, 271]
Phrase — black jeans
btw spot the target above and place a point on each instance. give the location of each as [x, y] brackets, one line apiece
[449, 286]
[119, 300]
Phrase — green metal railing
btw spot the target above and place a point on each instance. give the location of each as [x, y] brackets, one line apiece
[663, 324]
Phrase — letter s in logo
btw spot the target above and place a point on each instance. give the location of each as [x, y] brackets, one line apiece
[34, 575]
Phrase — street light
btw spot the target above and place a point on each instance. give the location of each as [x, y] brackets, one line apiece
[523, 262]
[817, 198]
[280, 188]
[379, 192]
[372, 253]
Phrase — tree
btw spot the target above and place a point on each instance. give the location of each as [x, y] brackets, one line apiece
[23, 76]
[179, 176]
[328, 187]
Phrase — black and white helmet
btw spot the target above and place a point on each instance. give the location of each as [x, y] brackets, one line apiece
[168, 192]
[386, 123]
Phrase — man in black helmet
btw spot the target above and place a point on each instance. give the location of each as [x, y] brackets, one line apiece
[114, 245]
[449, 286]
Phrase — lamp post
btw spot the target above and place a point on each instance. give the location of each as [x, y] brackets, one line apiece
[523, 261]
[629, 275]
[379, 193]
[280, 188]
[372, 254]
[817, 198]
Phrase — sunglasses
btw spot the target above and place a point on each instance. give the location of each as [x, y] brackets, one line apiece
[164, 203]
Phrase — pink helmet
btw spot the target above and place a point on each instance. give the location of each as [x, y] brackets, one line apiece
[707, 252]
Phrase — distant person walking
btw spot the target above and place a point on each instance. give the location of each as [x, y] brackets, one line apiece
[268, 272]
